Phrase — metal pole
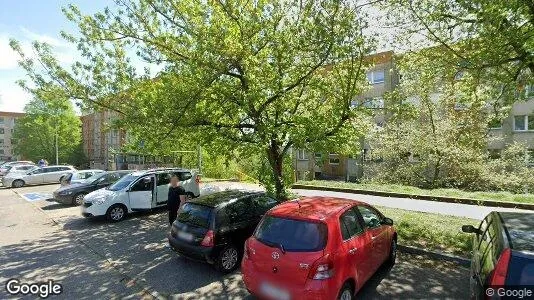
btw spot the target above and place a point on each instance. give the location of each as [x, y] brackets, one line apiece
[199, 159]
[57, 150]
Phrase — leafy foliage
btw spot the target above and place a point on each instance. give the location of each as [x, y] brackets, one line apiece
[49, 115]
[256, 77]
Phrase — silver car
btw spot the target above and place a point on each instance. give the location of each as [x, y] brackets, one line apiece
[49, 174]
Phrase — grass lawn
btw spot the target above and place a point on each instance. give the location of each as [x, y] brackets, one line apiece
[431, 231]
[496, 196]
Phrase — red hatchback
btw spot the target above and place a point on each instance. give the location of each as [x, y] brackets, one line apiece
[317, 248]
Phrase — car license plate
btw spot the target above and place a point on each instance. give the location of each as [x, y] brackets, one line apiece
[273, 292]
[185, 236]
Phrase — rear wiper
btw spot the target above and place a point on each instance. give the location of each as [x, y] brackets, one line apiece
[281, 248]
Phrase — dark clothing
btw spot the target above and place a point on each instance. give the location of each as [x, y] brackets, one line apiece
[173, 202]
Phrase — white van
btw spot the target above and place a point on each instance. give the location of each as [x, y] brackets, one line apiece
[141, 190]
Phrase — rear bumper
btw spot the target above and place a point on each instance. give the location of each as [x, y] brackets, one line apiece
[65, 199]
[200, 253]
[311, 290]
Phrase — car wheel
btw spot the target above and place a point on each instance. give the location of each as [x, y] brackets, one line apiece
[18, 183]
[78, 199]
[392, 253]
[228, 259]
[346, 292]
[116, 213]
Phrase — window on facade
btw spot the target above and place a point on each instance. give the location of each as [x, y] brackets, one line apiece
[1, 130]
[334, 159]
[377, 76]
[520, 122]
[302, 154]
[1, 141]
[523, 122]
[1, 120]
[529, 90]
[1, 151]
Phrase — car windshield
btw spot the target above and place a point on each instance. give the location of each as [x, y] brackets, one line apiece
[123, 182]
[292, 235]
[91, 179]
[194, 214]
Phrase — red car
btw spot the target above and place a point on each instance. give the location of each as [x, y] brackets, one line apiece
[317, 248]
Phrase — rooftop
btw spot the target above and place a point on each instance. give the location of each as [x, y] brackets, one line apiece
[315, 208]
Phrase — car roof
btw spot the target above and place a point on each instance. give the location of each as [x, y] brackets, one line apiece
[519, 228]
[312, 208]
[90, 170]
[223, 198]
[143, 172]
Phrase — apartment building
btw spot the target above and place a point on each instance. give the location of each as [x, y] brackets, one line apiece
[383, 77]
[518, 126]
[7, 124]
[100, 142]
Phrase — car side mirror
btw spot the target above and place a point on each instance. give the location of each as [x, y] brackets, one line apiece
[470, 229]
[387, 221]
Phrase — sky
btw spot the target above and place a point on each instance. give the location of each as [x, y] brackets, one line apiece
[27, 21]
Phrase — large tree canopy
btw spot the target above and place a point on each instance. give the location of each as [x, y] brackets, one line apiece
[259, 76]
[493, 35]
[49, 116]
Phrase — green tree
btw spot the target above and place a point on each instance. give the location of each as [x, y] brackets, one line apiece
[256, 77]
[49, 116]
[491, 35]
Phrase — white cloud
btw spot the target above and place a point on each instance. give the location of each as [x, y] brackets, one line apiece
[43, 38]
[8, 57]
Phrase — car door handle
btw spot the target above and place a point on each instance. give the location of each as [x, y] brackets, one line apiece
[353, 250]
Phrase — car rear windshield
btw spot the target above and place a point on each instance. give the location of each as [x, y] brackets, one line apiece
[292, 235]
[195, 214]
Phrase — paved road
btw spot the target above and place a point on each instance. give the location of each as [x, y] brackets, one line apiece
[41, 240]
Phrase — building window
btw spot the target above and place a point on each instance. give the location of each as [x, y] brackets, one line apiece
[529, 90]
[1, 120]
[2, 151]
[333, 159]
[523, 122]
[1, 141]
[302, 154]
[377, 76]
[1, 130]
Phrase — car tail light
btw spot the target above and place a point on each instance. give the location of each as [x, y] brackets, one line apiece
[323, 268]
[197, 179]
[208, 239]
[501, 269]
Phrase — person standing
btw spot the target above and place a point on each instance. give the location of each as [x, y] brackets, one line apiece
[176, 198]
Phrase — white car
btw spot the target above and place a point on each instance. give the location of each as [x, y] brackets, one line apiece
[49, 174]
[81, 175]
[20, 169]
[5, 167]
[142, 190]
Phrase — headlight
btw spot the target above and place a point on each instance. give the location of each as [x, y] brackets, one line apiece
[100, 200]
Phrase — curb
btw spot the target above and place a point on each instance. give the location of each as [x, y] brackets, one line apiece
[435, 255]
[488, 203]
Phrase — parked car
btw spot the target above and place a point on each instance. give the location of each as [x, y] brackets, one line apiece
[74, 193]
[503, 252]
[50, 174]
[317, 248]
[213, 228]
[22, 168]
[80, 176]
[142, 190]
[5, 167]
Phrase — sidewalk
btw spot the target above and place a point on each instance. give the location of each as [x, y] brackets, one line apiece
[33, 249]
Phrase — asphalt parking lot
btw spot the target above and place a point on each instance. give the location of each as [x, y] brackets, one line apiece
[45, 240]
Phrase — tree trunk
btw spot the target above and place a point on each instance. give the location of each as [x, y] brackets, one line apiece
[276, 160]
